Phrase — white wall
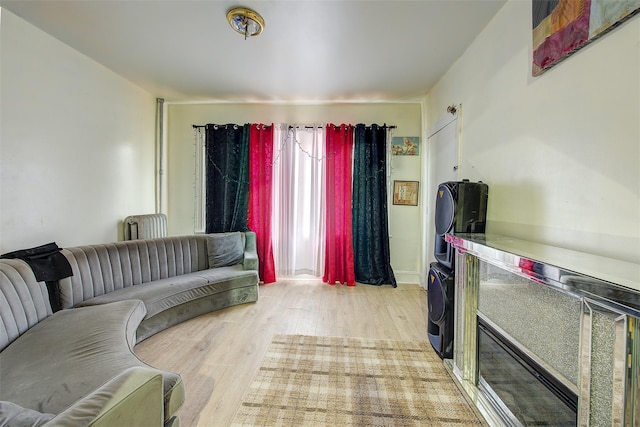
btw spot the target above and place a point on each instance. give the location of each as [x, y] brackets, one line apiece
[560, 152]
[77, 143]
[404, 221]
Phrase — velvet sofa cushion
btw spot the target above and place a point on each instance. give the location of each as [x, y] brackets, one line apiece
[225, 249]
[163, 294]
[12, 415]
[71, 353]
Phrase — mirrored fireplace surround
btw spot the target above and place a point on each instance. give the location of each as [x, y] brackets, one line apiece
[574, 316]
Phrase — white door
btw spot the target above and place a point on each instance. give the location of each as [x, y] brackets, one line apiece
[442, 166]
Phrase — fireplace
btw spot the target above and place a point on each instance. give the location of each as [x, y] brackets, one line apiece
[537, 343]
[525, 391]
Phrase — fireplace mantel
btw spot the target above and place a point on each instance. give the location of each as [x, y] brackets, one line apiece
[576, 315]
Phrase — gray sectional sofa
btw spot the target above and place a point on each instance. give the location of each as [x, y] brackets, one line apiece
[76, 367]
[177, 278]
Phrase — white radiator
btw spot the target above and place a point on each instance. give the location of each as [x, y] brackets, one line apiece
[145, 226]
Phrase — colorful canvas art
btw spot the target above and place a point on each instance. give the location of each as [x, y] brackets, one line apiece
[405, 145]
[560, 27]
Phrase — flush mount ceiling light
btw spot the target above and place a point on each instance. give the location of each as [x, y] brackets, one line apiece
[245, 21]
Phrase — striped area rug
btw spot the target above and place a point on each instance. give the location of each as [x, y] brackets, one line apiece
[331, 381]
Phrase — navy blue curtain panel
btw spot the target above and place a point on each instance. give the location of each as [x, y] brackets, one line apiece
[370, 220]
[227, 177]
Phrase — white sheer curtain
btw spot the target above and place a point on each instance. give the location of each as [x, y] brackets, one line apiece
[298, 202]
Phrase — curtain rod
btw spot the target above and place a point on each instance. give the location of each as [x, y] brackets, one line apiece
[221, 126]
[321, 126]
[291, 127]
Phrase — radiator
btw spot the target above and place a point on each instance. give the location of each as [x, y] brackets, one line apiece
[145, 226]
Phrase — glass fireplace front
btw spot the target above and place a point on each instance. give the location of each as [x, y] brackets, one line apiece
[525, 390]
[558, 329]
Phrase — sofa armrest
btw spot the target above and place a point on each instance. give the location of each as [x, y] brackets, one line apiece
[133, 398]
[250, 261]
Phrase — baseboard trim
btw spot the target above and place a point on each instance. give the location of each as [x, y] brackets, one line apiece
[404, 277]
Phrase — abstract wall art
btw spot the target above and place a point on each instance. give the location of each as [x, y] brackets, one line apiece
[561, 27]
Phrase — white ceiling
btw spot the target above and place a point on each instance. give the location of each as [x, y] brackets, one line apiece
[310, 51]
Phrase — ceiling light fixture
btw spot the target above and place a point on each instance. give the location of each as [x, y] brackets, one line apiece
[245, 21]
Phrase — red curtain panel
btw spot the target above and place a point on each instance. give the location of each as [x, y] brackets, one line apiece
[339, 266]
[260, 185]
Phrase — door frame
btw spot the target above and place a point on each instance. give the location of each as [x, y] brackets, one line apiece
[427, 193]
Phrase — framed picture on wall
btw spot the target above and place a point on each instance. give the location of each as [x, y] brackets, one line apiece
[405, 145]
[405, 193]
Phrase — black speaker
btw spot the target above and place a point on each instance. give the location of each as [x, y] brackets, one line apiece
[440, 299]
[461, 207]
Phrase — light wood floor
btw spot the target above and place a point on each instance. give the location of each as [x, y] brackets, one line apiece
[219, 353]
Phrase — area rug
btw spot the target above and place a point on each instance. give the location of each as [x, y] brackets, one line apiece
[330, 381]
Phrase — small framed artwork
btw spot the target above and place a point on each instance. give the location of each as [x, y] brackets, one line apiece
[405, 193]
[405, 145]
